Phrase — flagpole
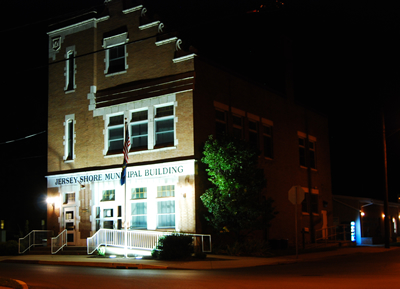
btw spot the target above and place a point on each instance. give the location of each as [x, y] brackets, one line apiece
[127, 144]
[126, 223]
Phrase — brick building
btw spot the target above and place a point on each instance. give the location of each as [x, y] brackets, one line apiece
[116, 65]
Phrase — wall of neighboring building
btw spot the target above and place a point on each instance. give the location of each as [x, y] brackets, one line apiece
[282, 170]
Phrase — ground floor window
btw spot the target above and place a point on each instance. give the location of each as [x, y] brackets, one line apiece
[166, 214]
[139, 215]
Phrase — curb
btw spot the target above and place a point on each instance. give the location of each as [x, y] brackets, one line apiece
[89, 264]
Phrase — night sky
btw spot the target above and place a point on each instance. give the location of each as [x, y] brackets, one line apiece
[345, 62]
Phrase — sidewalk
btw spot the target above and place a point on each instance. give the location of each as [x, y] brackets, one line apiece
[210, 263]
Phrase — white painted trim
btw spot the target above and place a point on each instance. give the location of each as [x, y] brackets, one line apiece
[149, 25]
[133, 9]
[166, 41]
[184, 58]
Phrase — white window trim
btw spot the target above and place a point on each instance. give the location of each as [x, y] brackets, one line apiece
[175, 120]
[105, 132]
[69, 50]
[69, 117]
[150, 104]
[113, 41]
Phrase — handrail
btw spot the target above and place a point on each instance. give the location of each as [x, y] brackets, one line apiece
[59, 241]
[135, 239]
[31, 240]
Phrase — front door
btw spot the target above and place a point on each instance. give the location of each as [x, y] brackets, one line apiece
[69, 224]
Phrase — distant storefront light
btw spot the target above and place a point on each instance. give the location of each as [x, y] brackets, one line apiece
[353, 231]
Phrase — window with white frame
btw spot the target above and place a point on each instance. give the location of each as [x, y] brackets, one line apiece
[115, 133]
[115, 52]
[166, 207]
[69, 137]
[164, 122]
[139, 215]
[139, 130]
[70, 70]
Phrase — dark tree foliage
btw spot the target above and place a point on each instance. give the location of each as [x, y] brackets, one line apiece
[235, 202]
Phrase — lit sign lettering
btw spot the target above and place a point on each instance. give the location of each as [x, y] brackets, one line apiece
[353, 231]
[139, 173]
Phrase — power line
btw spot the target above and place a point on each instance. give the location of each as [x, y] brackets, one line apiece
[22, 138]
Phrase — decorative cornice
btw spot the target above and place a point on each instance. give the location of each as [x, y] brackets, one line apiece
[184, 58]
[150, 25]
[133, 9]
[166, 41]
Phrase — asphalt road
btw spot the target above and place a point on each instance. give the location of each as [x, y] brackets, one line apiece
[364, 270]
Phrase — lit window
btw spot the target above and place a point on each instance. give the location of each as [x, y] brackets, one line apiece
[165, 191]
[139, 130]
[139, 215]
[116, 134]
[164, 126]
[108, 195]
[166, 214]
[139, 193]
[108, 213]
[69, 198]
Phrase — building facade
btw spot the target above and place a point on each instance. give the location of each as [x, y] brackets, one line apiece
[116, 70]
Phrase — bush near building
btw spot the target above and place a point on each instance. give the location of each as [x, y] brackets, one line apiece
[174, 247]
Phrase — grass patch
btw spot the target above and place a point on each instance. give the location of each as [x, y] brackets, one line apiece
[7, 282]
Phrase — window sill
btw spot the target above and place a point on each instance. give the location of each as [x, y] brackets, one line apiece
[116, 73]
[69, 91]
[307, 214]
[120, 154]
[107, 200]
[303, 167]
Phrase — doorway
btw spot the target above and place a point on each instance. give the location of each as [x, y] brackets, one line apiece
[69, 224]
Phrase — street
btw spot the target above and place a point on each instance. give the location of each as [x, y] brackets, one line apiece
[362, 270]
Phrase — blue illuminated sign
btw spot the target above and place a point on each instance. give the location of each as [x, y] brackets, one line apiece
[353, 231]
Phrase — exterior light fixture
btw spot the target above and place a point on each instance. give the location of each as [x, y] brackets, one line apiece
[362, 214]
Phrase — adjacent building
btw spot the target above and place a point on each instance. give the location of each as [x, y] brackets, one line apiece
[115, 70]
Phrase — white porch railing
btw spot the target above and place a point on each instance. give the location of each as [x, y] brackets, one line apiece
[136, 239]
[59, 242]
[34, 238]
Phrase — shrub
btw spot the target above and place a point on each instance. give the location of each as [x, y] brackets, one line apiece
[173, 247]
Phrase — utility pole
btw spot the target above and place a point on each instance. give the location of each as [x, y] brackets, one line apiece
[386, 201]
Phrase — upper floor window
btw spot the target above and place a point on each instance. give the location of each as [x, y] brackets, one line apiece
[69, 137]
[116, 59]
[139, 130]
[267, 140]
[116, 55]
[253, 134]
[237, 129]
[303, 156]
[164, 126]
[116, 133]
[70, 71]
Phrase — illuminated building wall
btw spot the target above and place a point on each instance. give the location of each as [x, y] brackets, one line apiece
[119, 65]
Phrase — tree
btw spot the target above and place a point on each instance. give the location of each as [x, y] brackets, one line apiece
[235, 202]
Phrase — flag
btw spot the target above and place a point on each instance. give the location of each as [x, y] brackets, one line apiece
[127, 145]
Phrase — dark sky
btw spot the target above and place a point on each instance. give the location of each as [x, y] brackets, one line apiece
[345, 61]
